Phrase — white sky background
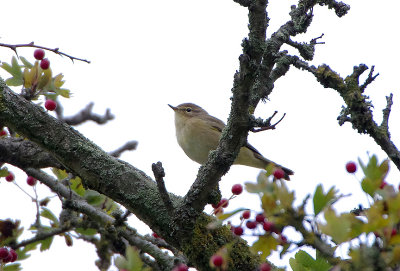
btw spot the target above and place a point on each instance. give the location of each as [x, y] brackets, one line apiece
[146, 54]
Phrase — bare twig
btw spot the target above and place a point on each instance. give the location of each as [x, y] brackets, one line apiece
[159, 174]
[85, 115]
[386, 113]
[32, 45]
[128, 146]
[369, 79]
[266, 125]
[41, 235]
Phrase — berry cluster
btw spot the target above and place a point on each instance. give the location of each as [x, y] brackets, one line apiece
[44, 62]
[7, 255]
[237, 189]
[30, 180]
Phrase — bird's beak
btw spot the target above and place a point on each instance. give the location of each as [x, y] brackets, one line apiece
[173, 107]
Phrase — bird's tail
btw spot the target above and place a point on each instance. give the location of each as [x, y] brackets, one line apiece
[267, 162]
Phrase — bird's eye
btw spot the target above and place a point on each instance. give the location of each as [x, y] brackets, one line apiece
[188, 109]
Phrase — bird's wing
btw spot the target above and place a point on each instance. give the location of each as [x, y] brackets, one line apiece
[217, 124]
[253, 149]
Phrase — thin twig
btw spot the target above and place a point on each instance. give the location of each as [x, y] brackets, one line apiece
[159, 174]
[268, 126]
[41, 236]
[85, 115]
[31, 44]
[386, 114]
[128, 146]
[369, 79]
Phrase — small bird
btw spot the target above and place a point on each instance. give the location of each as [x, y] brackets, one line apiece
[198, 133]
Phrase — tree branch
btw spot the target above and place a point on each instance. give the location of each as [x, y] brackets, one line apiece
[128, 146]
[75, 202]
[31, 44]
[41, 235]
[119, 181]
[84, 115]
[159, 174]
[24, 153]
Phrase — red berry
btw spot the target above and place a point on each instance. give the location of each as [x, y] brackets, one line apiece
[38, 54]
[10, 177]
[268, 226]
[155, 235]
[260, 218]
[4, 252]
[223, 203]
[279, 173]
[351, 167]
[31, 181]
[265, 267]
[383, 184]
[394, 232]
[3, 133]
[14, 255]
[217, 260]
[251, 224]
[246, 214]
[237, 189]
[181, 267]
[45, 64]
[50, 105]
[238, 230]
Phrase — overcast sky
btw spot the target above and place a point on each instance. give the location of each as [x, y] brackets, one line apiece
[147, 54]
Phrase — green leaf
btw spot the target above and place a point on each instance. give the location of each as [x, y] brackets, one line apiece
[77, 187]
[375, 174]
[304, 258]
[3, 172]
[94, 198]
[49, 215]
[88, 231]
[264, 246]
[321, 200]
[304, 261]
[12, 267]
[44, 79]
[321, 263]
[341, 228]
[15, 70]
[26, 63]
[63, 92]
[14, 81]
[131, 261]
[46, 243]
[60, 174]
[227, 215]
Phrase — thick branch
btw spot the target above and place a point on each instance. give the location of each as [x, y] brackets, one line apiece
[24, 153]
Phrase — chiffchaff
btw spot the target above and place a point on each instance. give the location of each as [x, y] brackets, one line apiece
[198, 133]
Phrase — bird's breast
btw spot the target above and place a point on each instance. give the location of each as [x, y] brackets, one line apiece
[196, 138]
